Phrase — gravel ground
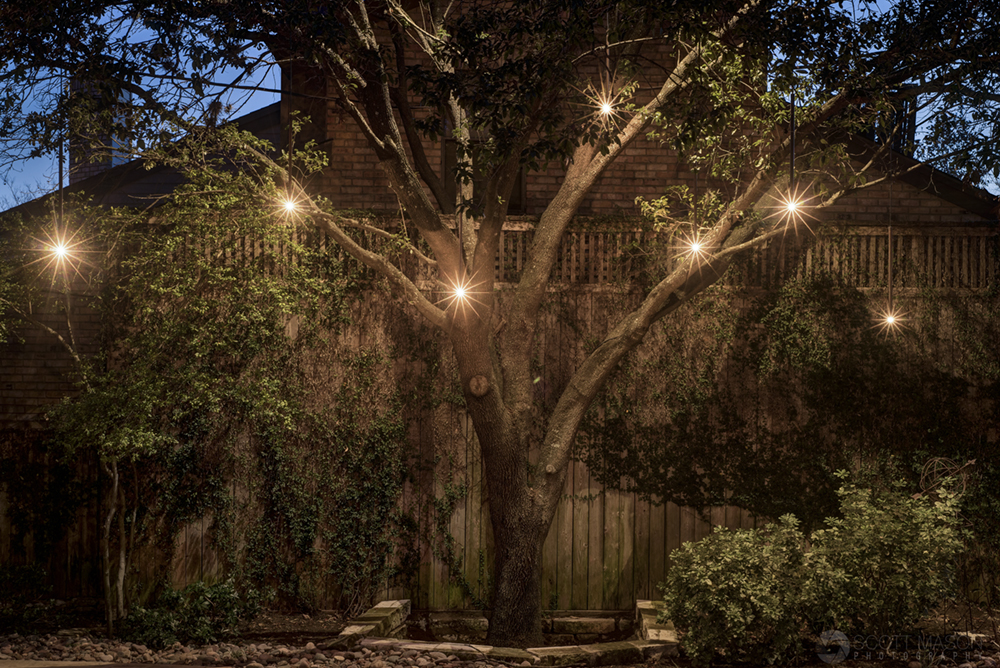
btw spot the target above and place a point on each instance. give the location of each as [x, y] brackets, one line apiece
[70, 647]
[78, 645]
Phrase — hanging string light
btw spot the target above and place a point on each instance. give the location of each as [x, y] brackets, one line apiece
[791, 206]
[792, 201]
[891, 317]
[694, 243]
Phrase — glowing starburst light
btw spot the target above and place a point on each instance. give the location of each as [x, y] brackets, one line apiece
[60, 252]
[694, 245]
[605, 103]
[890, 320]
[792, 208]
[694, 251]
[292, 203]
[462, 295]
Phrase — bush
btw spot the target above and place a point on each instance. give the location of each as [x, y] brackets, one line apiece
[737, 592]
[23, 587]
[885, 561]
[199, 614]
[750, 594]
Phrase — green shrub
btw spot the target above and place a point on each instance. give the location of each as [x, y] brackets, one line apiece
[199, 613]
[23, 587]
[736, 592]
[885, 561]
[156, 628]
[875, 569]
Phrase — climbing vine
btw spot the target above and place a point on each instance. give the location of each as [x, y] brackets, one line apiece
[747, 391]
[227, 396]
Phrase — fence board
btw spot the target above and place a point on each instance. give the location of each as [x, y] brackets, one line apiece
[612, 548]
[581, 539]
[658, 531]
[473, 530]
[595, 549]
[550, 568]
[456, 598]
[640, 570]
[565, 548]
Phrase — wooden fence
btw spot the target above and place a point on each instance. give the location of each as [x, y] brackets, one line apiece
[934, 257]
[606, 548]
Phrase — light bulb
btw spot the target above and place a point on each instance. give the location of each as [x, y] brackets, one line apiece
[289, 206]
[460, 292]
[606, 108]
[60, 250]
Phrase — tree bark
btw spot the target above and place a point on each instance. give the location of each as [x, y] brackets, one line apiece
[517, 571]
[112, 505]
[122, 549]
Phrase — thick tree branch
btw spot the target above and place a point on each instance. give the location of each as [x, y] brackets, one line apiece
[581, 174]
[385, 139]
[413, 139]
[328, 223]
[688, 278]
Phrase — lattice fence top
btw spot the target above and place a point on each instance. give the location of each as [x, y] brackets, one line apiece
[956, 258]
[939, 257]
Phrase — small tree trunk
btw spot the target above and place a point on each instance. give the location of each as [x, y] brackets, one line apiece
[109, 516]
[122, 548]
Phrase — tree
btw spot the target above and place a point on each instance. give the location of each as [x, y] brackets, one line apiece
[214, 320]
[536, 83]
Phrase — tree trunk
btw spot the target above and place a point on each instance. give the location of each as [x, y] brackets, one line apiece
[521, 503]
[122, 548]
[520, 519]
[109, 516]
[517, 575]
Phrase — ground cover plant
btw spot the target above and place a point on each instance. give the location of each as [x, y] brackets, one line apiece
[197, 614]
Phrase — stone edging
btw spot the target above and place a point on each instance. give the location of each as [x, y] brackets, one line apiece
[386, 618]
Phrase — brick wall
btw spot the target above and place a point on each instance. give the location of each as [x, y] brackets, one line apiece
[36, 370]
[907, 205]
